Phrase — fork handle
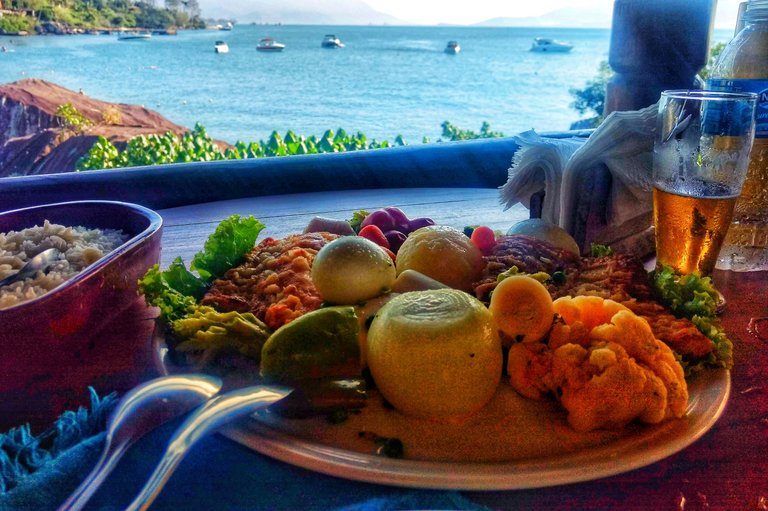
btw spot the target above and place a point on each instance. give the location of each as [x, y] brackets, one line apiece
[210, 416]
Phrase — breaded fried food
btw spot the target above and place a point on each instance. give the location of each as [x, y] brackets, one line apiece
[274, 282]
[604, 365]
[618, 277]
[623, 279]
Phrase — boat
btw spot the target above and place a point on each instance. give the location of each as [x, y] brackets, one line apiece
[227, 26]
[269, 44]
[331, 41]
[134, 35]
[452, 47]
[221, 47]
[545, 44]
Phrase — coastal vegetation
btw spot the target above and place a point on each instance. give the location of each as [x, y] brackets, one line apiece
[74, 15]
[197, 145]
[590, 100]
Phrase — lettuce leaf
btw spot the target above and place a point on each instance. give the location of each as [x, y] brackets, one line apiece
[685, 295]
[158, 292]
[357, 219]
[176, 290]
[695, 298]
[226, 247]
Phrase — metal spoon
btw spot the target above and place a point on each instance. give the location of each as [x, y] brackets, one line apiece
[213, 414]
[141, 410]
[40, 262]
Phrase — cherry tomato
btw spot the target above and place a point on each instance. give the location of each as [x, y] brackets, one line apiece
[374, 233]
[484, 238]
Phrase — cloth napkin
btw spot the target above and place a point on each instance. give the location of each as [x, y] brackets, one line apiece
[623, 143]
[217, 474]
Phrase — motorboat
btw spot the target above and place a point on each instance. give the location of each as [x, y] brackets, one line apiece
[452, 47]
[269, 44]
[545, 44]
[331, 41]
[227, 26]
[221, 47]
[134, 35]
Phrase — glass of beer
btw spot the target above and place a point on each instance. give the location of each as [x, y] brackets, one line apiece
[700, 159]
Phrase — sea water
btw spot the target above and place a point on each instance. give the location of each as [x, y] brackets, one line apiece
[387, 81]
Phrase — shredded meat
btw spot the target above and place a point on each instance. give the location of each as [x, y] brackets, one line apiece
[274, 282]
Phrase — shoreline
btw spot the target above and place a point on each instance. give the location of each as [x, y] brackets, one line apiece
[95, 31]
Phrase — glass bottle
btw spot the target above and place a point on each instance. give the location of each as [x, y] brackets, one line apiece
[743, 66]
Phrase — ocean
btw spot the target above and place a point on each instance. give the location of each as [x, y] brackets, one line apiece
[387, 81]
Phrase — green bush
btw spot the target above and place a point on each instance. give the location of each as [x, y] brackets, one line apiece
[12, 23]
[197, 145]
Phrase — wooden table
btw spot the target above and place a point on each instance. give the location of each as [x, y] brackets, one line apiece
[723, 470]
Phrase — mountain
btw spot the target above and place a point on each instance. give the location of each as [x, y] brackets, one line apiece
[572, 17]
[298, 12]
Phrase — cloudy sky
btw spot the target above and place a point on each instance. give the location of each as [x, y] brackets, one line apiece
[466, 12]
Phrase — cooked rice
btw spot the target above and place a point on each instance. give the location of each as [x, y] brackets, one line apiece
[80, 247]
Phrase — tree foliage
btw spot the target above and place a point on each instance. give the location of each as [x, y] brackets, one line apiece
[95, 14]
[591, 99]
[197, 145]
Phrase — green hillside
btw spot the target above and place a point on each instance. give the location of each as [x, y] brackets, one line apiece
[26, 15]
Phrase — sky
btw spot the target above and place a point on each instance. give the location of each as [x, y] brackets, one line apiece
[466, 12]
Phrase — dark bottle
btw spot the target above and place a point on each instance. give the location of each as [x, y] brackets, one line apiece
[656, 45]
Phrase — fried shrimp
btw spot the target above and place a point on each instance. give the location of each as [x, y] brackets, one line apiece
[604, 365]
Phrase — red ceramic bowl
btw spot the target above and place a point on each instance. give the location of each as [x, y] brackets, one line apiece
[86, 332]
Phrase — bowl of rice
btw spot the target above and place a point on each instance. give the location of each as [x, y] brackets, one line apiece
[69, 327]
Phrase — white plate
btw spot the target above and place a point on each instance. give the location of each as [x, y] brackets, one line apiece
[708, 395]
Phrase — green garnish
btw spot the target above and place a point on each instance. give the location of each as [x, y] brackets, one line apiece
[159, 292]
[695, 298]
[685, 295]
[357, 219]
[226, 247]
[176, 289]
[598, 250]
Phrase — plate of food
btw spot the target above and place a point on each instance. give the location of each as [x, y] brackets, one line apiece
[426, 356]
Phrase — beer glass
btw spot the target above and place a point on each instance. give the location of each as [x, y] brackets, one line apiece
[700, 158]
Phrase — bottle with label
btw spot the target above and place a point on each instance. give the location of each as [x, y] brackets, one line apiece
[743, 67]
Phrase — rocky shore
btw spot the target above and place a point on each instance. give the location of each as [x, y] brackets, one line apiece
[34, 140]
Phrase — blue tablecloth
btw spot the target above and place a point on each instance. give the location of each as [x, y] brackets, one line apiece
[217, 474]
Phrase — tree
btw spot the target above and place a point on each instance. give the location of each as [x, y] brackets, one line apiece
[591, 99]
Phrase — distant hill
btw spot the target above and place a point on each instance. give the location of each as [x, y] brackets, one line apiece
[572, 17]
[298, 12]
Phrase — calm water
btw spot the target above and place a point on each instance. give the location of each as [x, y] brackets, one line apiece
[387, 81]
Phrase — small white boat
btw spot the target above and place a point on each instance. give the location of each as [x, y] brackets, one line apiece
[221, 47]
[331, 41]
[227, 26]
[452, 47]
[133, 35]
[545, 44]
[269, 44]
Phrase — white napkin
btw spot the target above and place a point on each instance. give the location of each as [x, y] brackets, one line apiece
[623, 143]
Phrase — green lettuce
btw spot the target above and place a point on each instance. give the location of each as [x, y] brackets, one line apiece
[226, 247]
[686, 295]
[598, 250]
[695, 298]
[176, 290]
[357, 219]
[158, 292]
